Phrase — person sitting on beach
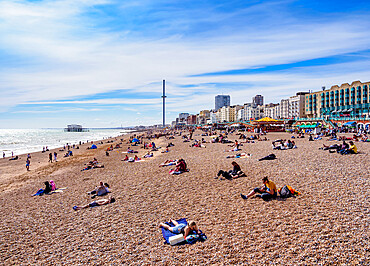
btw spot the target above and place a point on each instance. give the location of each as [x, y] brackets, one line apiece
[117, 146]
[93, 164]
[100, 190]
[69, 153]
[126, 158]
[53, 185]
[231, 174]
[180, 168]
[181, 228]
[48, 187]
[289, 144]
[96, 203]
[294, 146]
[343, 147]
[267, 191]
[235, 145]
[352, 149]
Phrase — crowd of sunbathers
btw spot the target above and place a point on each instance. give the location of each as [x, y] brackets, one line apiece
[343, 148]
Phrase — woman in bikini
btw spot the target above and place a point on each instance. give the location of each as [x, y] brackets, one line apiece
[181, 228]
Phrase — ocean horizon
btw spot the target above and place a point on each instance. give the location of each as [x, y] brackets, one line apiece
[23, 141]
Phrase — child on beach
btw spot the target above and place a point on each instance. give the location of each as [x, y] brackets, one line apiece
[181, 228]
[95, 203]
[267, 191]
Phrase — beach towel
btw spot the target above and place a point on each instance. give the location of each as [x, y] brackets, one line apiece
[190, 239]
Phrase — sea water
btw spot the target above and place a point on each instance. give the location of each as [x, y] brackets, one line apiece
[22, 141]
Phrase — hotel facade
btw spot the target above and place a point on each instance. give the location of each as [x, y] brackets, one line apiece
[347, 100]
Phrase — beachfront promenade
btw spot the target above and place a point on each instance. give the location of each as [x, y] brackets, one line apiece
[326, 224]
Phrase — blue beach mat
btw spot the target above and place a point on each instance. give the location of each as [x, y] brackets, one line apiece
[167, 234]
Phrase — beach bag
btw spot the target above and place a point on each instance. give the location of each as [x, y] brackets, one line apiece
[191, 239]
[285, 192]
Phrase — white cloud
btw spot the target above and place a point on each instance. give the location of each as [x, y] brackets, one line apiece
[65, 56]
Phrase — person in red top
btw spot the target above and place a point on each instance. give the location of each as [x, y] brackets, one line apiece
[180, 167]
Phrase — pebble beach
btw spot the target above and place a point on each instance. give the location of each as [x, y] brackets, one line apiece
[326, 225]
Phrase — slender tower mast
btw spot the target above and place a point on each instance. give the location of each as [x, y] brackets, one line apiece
[164, 103]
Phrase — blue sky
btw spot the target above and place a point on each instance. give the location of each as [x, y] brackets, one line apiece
[100, 63]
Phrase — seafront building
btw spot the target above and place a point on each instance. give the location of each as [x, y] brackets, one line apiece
[249, 111]
[257, 100]
[326, 107]
[346, 100]
[293, 107]
[221, 101]
[271, 110]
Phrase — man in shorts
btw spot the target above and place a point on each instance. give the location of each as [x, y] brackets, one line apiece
[267, 191]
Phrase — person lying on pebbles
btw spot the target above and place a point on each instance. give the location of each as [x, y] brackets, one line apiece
[95, 203]
[181, 228]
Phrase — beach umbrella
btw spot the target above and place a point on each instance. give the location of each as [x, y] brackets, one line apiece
[135, 140]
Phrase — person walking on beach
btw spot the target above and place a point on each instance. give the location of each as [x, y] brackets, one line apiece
[55, 156]
[50, 157]
[3, 154]
[28, 162]
[267, 191]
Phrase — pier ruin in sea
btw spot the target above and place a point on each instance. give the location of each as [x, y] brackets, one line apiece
[75, 128]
